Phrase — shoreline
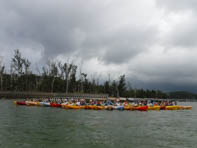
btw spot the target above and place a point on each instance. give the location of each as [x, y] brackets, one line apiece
[31, 95]
[24, 95]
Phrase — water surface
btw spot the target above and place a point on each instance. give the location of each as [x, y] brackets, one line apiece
[44, 127]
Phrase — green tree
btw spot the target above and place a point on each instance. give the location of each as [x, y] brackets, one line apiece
[114, 88]
[107, 87]
[122, 86]
[2, 70]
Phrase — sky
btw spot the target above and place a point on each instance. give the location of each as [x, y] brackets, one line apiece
[154, 42]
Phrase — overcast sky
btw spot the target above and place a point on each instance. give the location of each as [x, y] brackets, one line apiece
[153, 42]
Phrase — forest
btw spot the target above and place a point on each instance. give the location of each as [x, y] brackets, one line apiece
[56, 76]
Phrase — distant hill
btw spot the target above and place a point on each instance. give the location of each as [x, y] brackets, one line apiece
[182, 95]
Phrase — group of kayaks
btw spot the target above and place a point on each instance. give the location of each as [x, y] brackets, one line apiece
[109, 107]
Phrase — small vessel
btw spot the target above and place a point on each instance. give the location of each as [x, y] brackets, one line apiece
[118, 107]
[20, 102]
[31, 103]
[46, 104]
[99, 107]
[72, 107]
[155, 107]
[175, 107]
[142, 108]
[55, 105]
[129, 108]
[109, 107]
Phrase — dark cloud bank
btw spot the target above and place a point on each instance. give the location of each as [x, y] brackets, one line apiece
[115, 33]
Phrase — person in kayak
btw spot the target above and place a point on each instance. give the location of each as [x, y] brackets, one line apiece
[98, 103]
[78, 103]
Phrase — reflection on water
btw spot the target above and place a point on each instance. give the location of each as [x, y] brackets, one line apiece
[41, 127]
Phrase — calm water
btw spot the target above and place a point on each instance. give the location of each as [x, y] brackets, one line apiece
[42, 127]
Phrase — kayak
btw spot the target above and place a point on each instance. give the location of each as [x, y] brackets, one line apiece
[75, 107]
[126, 107]
[67, 106]
[72, 107]
[38, 103]
[183, 107]
[86, 107]
[63, 105]
[108, 107]
[82, 107]
[30, 103]
[142, 108]
[118, 107]
[177, 107]
[172, 107]
[154, 107]
[99, 107]
[91, 106]
[20, 102]
[55, 105]
[162, 107]
[187, 107]
[129, 108]
[46, 104]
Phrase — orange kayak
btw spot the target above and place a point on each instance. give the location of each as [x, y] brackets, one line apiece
[91, 107]
[99, 107]
[109, 108]
[31, 103]
[187, 107]
[73, 107]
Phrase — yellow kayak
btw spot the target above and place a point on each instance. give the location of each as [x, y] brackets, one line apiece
[38, 103]
[175, 107]
[91, 107]
[82, 107]
[72, 107]
[154, 107]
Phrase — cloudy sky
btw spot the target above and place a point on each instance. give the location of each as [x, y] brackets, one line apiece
[153, 42]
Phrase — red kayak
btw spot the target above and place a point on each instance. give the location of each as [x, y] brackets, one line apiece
[55, 105]
[142, 108]
[162, 107]
[21, 103]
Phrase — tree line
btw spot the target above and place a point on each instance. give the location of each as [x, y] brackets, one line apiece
[56, 76]
[182, 95]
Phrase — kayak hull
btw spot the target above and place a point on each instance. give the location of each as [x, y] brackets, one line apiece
[99, 107]
[119, 108]
[153, 107]
[109, 108]
[142, 108]
[55, 105]
[20, 103]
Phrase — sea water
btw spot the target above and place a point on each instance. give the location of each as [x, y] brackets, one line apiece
[44, 127]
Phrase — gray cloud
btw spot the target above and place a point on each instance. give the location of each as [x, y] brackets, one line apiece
[68, 27]
[115, 33]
